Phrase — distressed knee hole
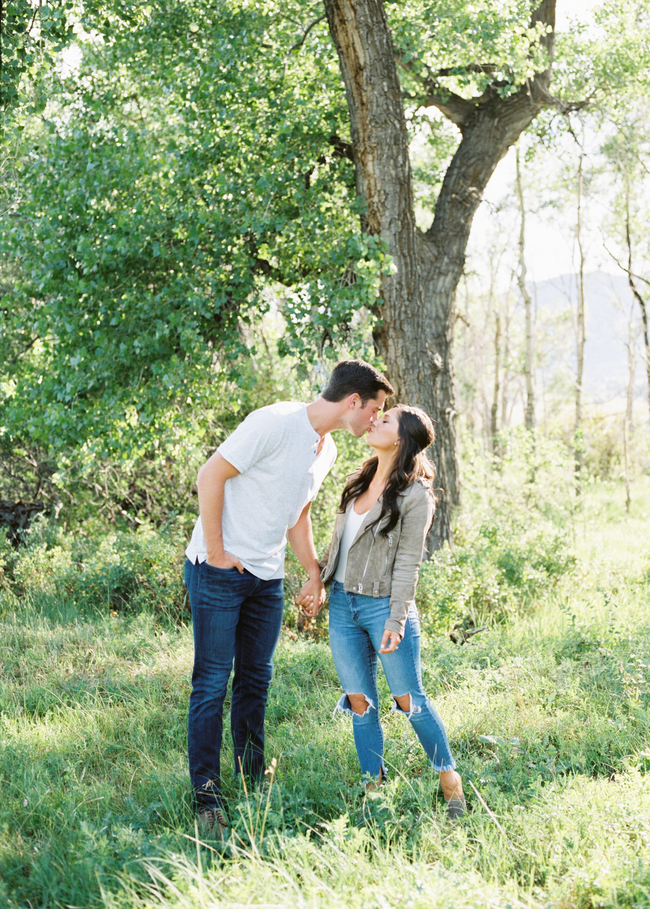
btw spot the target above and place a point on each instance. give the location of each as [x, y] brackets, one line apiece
[407, 704]
[360, 704]
[353, 704]
[403, 702]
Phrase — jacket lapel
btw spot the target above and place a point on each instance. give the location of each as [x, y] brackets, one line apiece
[371, 516]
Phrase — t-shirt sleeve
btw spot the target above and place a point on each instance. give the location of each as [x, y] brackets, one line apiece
[255, 437]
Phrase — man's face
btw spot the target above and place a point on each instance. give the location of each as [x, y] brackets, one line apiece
[362, 418]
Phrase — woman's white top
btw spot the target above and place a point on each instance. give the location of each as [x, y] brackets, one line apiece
[352, 524]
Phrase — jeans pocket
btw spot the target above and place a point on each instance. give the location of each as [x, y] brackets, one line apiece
[206, 564]
[217, 586]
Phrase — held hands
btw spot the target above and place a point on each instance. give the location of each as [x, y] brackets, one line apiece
[226, 560]
[389, 642]
[311, 597]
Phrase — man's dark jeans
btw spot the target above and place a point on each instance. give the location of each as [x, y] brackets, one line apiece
[235, 617]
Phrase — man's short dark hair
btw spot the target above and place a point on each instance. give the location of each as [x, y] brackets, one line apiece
[356, 377]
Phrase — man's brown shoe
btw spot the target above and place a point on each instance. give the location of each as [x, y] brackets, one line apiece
[212, 822]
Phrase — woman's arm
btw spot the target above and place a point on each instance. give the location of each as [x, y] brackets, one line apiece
[417, 512]
[326, 555]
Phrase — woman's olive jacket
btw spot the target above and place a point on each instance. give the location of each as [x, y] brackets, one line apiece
[385, 565]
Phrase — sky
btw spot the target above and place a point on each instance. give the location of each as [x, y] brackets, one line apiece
[568, 9]
[550, 251]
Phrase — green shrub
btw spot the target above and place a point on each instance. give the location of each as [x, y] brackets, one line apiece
[531, 476]
[135, 570]
[495, 570]
[511, 542]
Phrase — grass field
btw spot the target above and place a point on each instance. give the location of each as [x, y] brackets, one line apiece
[548, 714]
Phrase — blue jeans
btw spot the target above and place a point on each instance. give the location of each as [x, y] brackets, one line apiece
[356, 628]
[235, 617]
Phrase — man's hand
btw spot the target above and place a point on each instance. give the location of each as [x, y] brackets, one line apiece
[311, 597]
[390, 642]
[227, 560]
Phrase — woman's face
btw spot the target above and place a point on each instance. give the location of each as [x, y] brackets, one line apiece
[384, 433]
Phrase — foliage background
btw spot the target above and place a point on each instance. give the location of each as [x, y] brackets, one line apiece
[179, 244]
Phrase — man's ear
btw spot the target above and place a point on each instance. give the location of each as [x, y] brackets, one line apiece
[352, 400]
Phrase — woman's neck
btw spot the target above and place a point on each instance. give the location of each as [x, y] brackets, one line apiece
[385, 462]
[375, 489]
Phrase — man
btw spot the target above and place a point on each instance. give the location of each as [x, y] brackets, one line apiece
[255, 492]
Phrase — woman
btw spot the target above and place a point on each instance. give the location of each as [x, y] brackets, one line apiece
[372, 566]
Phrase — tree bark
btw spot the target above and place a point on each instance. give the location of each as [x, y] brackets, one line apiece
[630, 280]
[529, 412]
[494, 409]
[505, 377]
[627, 423]
[580, 337]
[416, 309]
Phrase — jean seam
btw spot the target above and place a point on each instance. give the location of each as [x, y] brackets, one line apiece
[433, 718]
[213, 601]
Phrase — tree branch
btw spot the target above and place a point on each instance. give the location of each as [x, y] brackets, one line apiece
[624, 268]
[480, 68]
[264, 267]
[21, 353]
[342, 149]
[561, 106]
[311, 25]
[296, 47]
[458, 110]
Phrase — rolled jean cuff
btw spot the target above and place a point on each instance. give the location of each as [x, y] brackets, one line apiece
[444, 768]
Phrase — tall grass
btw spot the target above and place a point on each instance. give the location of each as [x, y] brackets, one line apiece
[547, 709]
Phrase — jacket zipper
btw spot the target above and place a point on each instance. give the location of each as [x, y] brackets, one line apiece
[390, 546]
[363, 576]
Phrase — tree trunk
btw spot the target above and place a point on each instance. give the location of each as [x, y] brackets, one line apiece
[644, 318]
[627, 423]
[505, 378]
[494, 410]
[580, 338]
[529, 412]
[630, 280]
[416, 310]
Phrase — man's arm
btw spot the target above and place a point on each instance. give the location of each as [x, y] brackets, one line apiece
[312, 595]
[210, 484]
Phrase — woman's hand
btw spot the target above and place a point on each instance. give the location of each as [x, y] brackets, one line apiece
[390, 642]
[311, 597]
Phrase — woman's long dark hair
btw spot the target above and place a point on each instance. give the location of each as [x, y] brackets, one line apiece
[415, 433]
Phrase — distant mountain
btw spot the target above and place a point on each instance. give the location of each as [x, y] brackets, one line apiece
[609, 305]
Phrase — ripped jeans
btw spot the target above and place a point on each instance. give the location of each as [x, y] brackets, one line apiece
[356, 627]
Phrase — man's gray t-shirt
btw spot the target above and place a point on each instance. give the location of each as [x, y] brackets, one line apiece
[275, 450]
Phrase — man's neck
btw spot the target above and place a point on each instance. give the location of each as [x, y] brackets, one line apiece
[324, 416]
